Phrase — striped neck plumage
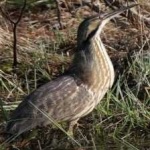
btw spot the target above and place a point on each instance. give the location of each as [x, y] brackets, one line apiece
[106, 69]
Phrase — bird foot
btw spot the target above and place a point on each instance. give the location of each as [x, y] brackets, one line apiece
[79, 125]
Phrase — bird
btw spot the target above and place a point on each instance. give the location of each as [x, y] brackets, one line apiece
[77, 92]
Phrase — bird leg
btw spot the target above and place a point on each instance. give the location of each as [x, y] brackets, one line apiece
[71, 126]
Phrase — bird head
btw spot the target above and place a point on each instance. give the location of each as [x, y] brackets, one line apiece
[93, 25]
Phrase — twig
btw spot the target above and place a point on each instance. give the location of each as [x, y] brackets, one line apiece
[15, 24]
[91, 6]
[59, 13]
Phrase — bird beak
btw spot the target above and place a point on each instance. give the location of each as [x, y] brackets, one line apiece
[116, 13]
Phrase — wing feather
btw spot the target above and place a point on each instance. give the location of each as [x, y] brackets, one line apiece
[49, 97]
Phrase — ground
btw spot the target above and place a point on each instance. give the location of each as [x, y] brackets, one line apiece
[45, 51]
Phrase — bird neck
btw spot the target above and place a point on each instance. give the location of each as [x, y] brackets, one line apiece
[92, 63]
[105, 69]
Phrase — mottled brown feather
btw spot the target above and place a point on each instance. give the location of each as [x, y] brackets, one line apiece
[61, 99]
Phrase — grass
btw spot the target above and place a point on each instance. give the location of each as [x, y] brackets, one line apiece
[120, 121]
[123, 111]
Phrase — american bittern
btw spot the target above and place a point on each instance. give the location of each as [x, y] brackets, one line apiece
[76, 94]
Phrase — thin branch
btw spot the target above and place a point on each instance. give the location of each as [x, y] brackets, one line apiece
[15, 34]
[91, 6]
[59, 13]
[15, 24]
[6, 16]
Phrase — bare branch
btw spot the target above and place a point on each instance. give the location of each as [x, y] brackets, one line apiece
[14, 23]
[59, 13]
[15, 35]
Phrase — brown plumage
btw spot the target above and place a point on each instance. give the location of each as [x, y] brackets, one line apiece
[74, 95]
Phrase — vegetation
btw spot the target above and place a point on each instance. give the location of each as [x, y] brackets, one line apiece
[120, 121]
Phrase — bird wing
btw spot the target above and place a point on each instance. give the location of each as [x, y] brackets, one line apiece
[57, 98]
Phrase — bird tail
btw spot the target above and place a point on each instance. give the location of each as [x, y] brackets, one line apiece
[17, 127]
